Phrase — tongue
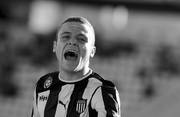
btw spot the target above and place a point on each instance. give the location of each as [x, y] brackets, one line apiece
[71, 57]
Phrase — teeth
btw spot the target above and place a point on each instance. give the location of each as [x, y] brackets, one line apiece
[71, 51]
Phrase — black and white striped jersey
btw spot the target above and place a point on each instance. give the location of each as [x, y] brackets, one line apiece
[91, 96]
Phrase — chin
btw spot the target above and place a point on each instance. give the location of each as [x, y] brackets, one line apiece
[69, 68]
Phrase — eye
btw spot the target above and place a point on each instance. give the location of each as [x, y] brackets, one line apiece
[82, 39]
[65, 37]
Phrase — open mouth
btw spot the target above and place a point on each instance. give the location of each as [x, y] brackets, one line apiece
[70, 55]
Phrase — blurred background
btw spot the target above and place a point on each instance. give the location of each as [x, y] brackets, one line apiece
[138, 43]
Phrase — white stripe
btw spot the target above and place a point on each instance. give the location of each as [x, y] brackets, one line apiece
[83, 107]
[98, 103]
[64, 97]
[42, 103]
[118, 101]
[93, 83]
[60, 111]
[77, 107]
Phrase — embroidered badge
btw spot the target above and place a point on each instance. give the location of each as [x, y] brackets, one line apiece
[48, 82]
[81, 105]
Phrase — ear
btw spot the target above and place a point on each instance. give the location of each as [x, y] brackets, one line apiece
[54, 46]
[93, 52]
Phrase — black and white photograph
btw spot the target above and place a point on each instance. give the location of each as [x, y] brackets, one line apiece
[89, 58]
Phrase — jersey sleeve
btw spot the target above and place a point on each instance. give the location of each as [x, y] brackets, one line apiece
[106, 102]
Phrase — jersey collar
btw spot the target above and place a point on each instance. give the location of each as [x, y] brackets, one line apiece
[74, 81]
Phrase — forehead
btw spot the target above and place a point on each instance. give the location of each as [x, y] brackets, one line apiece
[75, 27]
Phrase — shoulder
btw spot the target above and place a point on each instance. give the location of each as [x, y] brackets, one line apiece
[105, 83]
[46, 81]
[107, 87]
[106, 95]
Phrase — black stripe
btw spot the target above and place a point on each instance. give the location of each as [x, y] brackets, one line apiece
[92, 112]
[76, 95]
[51, 105]
[110, 101]
[41, 81]
[36, 97]
[32, 112]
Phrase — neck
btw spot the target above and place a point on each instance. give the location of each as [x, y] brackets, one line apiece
[73, 75]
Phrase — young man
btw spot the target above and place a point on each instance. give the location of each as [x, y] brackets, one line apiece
[75, 90]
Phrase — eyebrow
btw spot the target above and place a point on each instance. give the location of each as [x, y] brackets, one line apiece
[64, 33]
[81, 35]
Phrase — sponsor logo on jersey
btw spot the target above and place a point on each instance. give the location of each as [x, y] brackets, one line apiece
[43, 98]
[48, 82]
[81, 105]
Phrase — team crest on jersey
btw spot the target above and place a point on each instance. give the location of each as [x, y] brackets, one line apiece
[81, 105]
[48, 82]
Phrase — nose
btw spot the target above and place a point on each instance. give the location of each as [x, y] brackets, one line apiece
[72, 42]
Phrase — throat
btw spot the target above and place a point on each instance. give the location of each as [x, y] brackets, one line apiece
[73, 76]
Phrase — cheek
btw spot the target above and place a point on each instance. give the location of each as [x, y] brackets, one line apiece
[85, 51]
[59, 51]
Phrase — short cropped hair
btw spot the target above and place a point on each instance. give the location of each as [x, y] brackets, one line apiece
[79, 20]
